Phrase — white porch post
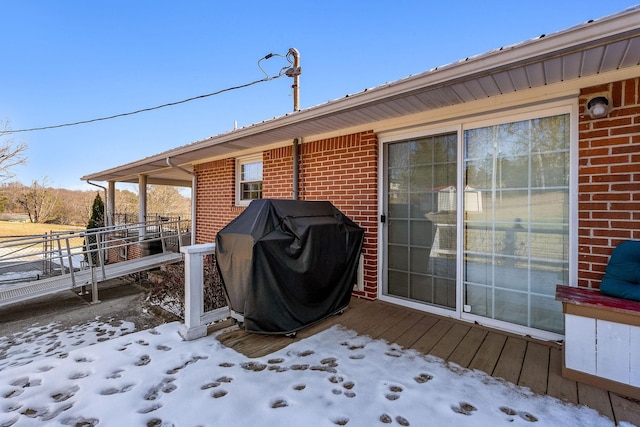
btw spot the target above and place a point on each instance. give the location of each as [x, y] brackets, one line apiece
[111, 204]
[142, 205]
[193, 326]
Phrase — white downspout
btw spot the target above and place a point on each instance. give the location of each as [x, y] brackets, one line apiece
[106, 194]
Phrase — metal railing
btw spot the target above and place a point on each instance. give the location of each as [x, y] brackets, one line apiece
[32, 258]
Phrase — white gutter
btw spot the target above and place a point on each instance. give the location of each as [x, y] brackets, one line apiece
[578, 38]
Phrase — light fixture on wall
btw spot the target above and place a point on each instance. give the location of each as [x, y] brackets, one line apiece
[598, 107]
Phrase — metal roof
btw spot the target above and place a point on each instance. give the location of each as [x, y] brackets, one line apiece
[589, 49]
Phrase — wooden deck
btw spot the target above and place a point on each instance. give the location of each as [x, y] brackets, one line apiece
[517, 359]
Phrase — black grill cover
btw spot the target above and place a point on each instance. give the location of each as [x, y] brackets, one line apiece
[286, 264]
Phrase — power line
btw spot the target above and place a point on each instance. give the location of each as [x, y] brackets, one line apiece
[170, 104]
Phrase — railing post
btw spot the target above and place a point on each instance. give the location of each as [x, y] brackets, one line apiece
[193, 327]
[70, 255]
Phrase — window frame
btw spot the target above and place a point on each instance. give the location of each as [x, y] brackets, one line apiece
[240, 162]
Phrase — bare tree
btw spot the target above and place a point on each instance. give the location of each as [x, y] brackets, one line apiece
[166, 200]
[11, 152]
[39, 202]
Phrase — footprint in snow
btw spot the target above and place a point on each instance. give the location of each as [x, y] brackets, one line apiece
[25, 382]
[394, 392]
[341, 421]
[150, 408]
[464, 408]
[185, 364]
[78, 375]
[115, 374]
[115, 390]
[66, 394]
[144, 360]
[402, 421]
[279, 403]
[58, 411]
[253, 366]
[165, 386]
[522, 414]
[219, 393]
[348, 386]
[386, 419]
[13, 393]
[423, 378]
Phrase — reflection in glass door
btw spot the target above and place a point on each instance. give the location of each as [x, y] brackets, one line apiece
[517, 240]
[421, 220]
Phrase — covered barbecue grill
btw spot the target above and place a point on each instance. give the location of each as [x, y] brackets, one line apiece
[286, 264]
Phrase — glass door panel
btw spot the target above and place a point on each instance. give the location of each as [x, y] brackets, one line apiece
[516, 235]
[421, 223]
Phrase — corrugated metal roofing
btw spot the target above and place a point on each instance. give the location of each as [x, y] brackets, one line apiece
[593, 48]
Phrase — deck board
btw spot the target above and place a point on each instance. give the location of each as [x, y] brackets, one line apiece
[520, 360]
[487, 355]
[468, 347]
[595, 398]
[625, 409]
[535, 368]
[435, 334]
[445, 346]
[393, 318]
[406, 323]
[558, 386]
[412, 335]
[511, 359]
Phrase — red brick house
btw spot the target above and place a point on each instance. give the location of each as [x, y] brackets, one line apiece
[543, 136]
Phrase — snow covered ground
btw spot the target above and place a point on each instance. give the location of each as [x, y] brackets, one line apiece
[101, 374]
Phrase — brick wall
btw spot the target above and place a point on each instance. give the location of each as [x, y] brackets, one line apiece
[215, 199]
[342, 170]
[609, 178]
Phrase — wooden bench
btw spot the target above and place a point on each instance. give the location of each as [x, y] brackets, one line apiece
[602, 340]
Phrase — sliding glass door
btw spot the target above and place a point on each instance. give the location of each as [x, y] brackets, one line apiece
[421, 220]
[517, 235]
[498, 250]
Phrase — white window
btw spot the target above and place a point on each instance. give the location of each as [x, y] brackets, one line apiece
[248, 179]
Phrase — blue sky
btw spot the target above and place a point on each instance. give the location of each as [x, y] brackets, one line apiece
[68, 61]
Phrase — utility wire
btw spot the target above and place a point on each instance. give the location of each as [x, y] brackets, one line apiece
[170, 104]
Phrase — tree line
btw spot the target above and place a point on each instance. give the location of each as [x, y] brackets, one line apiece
[41, 203]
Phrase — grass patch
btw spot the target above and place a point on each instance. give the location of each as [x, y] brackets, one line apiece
[13, 229]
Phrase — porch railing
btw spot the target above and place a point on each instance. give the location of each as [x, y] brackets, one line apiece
[37, 265]
[195, 317]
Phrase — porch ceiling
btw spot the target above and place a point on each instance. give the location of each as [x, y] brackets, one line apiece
[589, 49]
